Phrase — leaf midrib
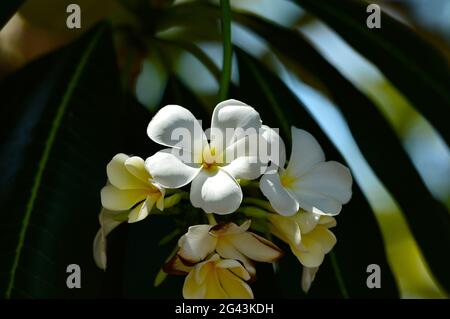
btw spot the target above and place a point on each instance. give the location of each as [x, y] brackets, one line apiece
[56, 123]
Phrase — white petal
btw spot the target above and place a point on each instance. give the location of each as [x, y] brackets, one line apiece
[117, 199]
[243, 147]
[215, 192]
[227, 229]
[119, 176]
[169, 171]
[256, 247]
[308, 276]
[226, 250]
[306, 152]
[276, 147]
[196, 244]
[317, 203]
[329, 178]
[324, 188]
[246, 167]
[175, 126]
[231, 115]
[280, 199]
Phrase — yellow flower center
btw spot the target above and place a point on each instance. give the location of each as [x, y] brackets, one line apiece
[210, 159]
[287, 180]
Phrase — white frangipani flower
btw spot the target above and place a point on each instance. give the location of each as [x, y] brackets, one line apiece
[229, 241]
[308, 182]
[211, 166]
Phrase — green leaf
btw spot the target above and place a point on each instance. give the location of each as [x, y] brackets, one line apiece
[377, 140]
[407, 60]
[359, 238]
[7, 10]
[225, 78]
[62, 120]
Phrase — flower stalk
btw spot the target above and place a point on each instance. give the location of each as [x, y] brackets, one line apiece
[225, 77]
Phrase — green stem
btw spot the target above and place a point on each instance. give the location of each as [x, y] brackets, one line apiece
[166, 239]
[211, 219]
[225, 77]
[259, 202]
[162, 275]
[252, 211]
[254, 184]
[267, 91]
[337, 272]
[175, 198]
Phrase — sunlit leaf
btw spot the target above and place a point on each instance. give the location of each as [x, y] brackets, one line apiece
[407, 60]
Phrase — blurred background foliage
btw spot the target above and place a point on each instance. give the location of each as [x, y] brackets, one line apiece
[157, 49]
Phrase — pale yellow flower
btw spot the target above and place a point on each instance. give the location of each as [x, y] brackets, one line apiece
[131, 188]
[229, 241]
[214, 278]
[108, 222]
[308, 276]
[129, 196]
[307, 234]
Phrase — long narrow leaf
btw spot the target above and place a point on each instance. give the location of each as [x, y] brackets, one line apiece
[58, 137]
[413, 65]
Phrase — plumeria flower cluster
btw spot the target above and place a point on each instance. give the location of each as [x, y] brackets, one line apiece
[295, 201]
